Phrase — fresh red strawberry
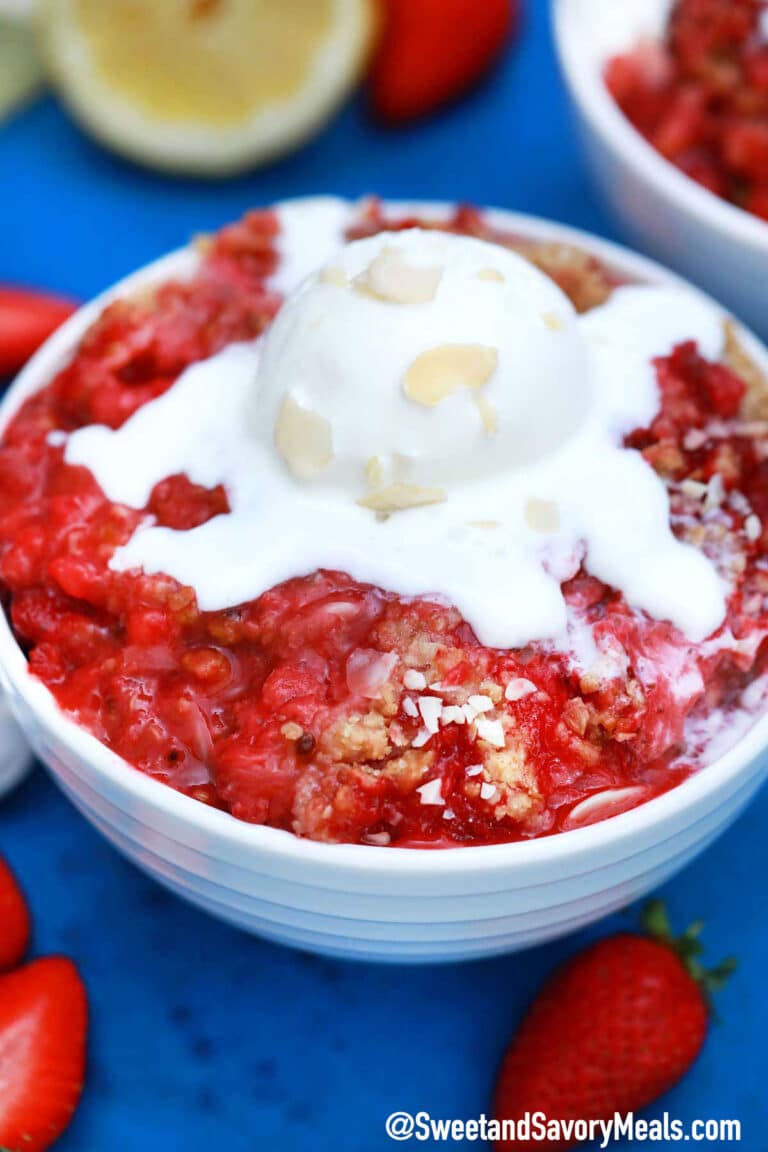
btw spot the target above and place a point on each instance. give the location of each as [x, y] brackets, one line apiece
[611, 1030]
[43, 1024]
[15, 925]
[432, 50]
[26, 320]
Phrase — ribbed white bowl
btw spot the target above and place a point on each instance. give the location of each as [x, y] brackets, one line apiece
[367, 902]
[716, 244]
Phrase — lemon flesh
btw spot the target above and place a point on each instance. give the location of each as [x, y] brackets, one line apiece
[205, 85]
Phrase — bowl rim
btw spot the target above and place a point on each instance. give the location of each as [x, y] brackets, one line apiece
[657, 817]
[603, 113]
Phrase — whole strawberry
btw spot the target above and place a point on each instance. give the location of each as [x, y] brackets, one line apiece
[432, 50]
[613, 1029]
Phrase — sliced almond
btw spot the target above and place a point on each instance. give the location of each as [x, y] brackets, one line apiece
[374, 472]
[737, 358]
[292, 731]
[400, 497]
[438, 373]
[490, 274]
[542, 516]
[488, 414]
[303, 439]
[694, 489]
[391, 279]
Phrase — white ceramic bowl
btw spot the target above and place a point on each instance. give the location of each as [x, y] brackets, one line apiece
[367, 902]
[714, 243]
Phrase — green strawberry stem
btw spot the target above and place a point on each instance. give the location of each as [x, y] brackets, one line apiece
[688, 947]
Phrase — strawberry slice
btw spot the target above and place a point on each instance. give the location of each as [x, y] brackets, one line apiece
[431, 51]
[43, 1025]
[15, 926]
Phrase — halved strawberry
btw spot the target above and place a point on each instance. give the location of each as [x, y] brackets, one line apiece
[43, 1026]
[15, 926]
[431, 51]
[27, 319]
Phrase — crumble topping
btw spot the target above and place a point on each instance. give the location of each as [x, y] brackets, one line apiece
[340, 711]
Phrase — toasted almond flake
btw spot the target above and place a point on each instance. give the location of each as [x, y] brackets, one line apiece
[739, 503]
[368, 671]
[421, 738]
[488, 414]
[492, 731]
[481, 703]
[491, 274]
[431, 793]
[453, 715]
[753, 527]
[440, 372]
[378, 839]
[334, 275]
[715, 493]
[431, 708]
[303, 439]
[694, 439]
[292, 731]
[374, 472]
[401, 497]
[553, 321]
[542, 516]
[409, 707]
[519, 688]
[414, 680]
[390, 278]
[488, 791]
[602, 805]
[474, 769]
[694, 489]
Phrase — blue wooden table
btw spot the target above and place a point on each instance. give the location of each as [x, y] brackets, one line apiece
[202, 1037]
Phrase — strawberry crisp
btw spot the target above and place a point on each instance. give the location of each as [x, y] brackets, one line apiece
[340, 711]
[701, 96]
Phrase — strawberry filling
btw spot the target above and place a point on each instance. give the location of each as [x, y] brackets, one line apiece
[701, 96]
[337, 710]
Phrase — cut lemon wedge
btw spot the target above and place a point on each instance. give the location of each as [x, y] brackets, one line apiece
[207, 86]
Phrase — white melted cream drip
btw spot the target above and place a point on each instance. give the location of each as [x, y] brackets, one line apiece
[311, 234]
[475, 549]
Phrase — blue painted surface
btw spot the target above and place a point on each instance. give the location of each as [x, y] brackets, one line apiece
[203, 1037]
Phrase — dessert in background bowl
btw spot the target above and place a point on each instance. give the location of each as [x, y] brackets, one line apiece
[699, 95]
[393, 527]
[685, 169]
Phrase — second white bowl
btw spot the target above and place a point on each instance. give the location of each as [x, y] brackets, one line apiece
[709, 240]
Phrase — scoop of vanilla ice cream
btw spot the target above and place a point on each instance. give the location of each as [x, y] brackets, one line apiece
[416, 361]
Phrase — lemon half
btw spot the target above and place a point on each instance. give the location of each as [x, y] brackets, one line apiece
[206, 86]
